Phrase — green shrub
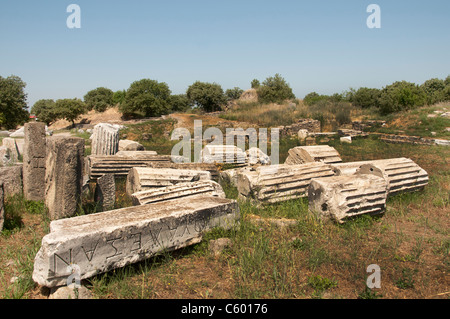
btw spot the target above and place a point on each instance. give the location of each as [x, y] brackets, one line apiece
[275, 90]
[179, 103]
[255, 84]
[401, 96]
[208, 96]
[366, 97]
[99, 99]
[146, 97]
[13, 102]
[70, 109]
[45, 111]
[234, 94]
[433, 89]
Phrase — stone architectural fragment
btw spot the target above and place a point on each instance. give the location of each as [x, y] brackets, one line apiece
[271, 184]
[145, 178]
[64, 176]
[34, 161]
[105, 192]
[100, 242]
[105, 139]
[315, 153]
[340, 197]
[182, 190]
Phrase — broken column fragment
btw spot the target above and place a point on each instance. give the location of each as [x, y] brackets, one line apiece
[182, 190]
[229, 154]
[105, 139]
[64, 176]
[119, 166]
[34, 161]
[315, 153]
[100, 242]
[340, 197]
[402, 174]
[144, 178]
[105, 192]
[271, 184]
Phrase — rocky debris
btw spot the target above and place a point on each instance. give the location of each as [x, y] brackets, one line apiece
[278, 222]
[217, 246]
[128, 145]
[303, 124]
[2, 209]
[66, 292]
[98, 243]
[316, 153]
[255, 156]
[341, 197]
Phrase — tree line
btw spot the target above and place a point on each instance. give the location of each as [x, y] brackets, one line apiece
[396, 97]
[150, 98]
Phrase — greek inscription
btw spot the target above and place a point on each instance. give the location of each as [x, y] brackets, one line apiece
[116, 250]
[90, 253]
[67, 262]
[137, 243]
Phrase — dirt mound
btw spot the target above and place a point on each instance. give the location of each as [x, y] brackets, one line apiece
[111, 115]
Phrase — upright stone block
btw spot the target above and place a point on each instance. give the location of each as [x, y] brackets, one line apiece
[100, 242]
[105, 139]
[11, 177]
[2, 209]
[34, 161]
[64, 176]
[105, 192]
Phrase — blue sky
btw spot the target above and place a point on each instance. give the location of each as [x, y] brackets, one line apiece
[322, 46]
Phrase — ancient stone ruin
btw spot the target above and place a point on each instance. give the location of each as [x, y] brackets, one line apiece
[341, 197]
[34, 161]
[271, 184]
[101, 242]
[63, 176]
[105, 139]
[316, 153]
[181, 190]
[145, 178]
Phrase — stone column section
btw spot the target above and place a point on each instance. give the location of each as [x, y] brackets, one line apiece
[64, 176]
[34, 161]
[105, 139]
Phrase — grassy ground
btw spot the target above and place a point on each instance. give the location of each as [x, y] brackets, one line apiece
[309, 259]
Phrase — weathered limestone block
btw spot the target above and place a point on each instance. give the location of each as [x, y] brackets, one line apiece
[316, 153]
[105, 139]
[212, 168]
[145, 178]
[271, 184]
[64, 176]
[256, 156]
[34, 161]
[340, 197]
[105, 192]
[231, 175]
[229, 154]
[11, 145]
[2, 209]
[119, 166]
[137, 154]
[182, 190]
[128, 145]
[100, 242]
[402, 174]
[11, 177]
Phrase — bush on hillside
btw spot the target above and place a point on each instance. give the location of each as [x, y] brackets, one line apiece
[275, 90]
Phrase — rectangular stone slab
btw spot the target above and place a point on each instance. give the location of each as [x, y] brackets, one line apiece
[101, 242]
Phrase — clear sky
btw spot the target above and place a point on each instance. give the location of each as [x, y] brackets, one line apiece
[322, 46]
